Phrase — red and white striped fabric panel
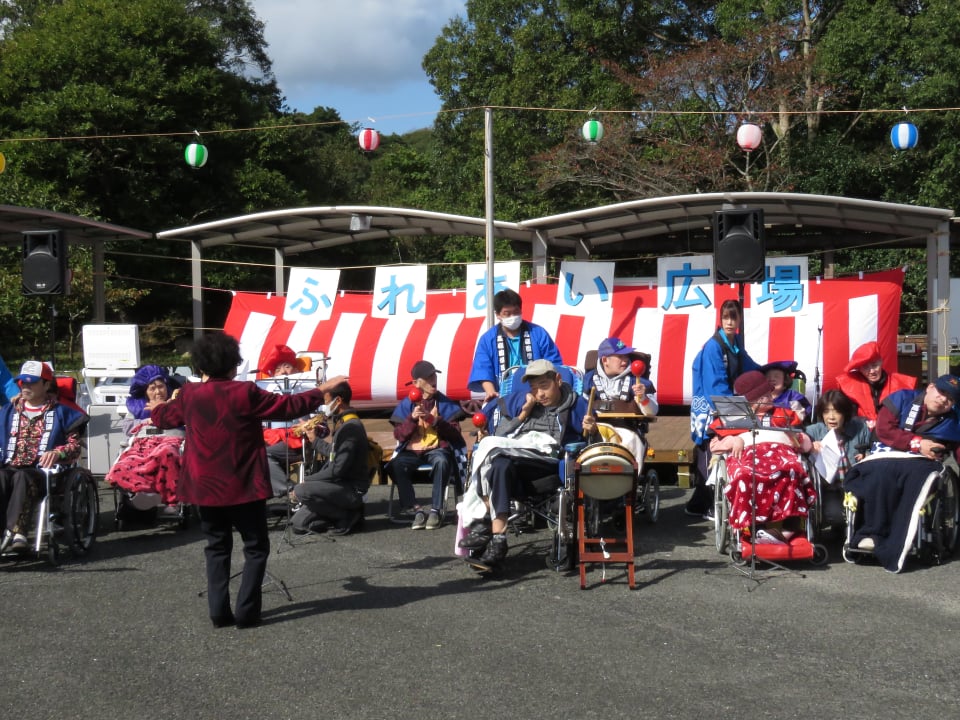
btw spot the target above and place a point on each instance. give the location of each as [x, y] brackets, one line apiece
[377, 354]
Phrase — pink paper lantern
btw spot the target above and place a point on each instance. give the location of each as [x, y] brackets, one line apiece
[749, 137]
[369, 139]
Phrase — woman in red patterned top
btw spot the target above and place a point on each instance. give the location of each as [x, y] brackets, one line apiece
[225, 467]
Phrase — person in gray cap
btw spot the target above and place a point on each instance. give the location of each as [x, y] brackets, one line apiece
[549, 407]
[425, 425]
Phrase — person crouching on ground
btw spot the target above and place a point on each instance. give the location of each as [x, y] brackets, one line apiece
[334, 493]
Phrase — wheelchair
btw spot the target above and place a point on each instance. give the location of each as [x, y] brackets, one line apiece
[647, 501]
[933, 528]
[738, 541]
[146, 508]
[66, 516]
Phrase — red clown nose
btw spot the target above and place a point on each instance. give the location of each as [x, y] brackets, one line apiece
[638, 367]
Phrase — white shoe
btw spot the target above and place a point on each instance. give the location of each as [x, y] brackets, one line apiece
[765, 538]
[866, 544]
[19, 542]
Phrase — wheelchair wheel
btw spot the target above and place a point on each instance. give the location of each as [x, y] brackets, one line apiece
[80, 512]
[563, 544]
[563, 555]
[721, 528]
[53, 552]
[819, 555]
[649, 496]
[938, 536]
[947, 527]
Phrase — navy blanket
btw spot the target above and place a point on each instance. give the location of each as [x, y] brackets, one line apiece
[890, 492]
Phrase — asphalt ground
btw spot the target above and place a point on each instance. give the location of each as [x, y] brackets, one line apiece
[387, 622]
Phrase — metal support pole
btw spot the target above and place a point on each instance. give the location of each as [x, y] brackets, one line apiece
[196, 277]
[488, 204]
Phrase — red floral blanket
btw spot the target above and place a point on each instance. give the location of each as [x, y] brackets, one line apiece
[783, 487]
[150, 464]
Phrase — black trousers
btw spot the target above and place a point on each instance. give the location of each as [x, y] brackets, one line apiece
[218, 524]
[513, 477]
[701, 500]
[20, 488]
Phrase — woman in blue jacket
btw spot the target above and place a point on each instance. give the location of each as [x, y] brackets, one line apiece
[716, 366]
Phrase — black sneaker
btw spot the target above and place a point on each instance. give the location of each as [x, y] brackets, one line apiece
[478, 537]
[354, 521]
[496, 550]
[492, 557]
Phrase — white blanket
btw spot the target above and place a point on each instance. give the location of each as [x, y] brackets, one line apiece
[531, 444]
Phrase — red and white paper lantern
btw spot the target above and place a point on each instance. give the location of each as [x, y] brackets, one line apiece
[369, 139]
[749, 137]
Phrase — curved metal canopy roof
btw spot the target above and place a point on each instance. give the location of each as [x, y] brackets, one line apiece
[640, 224]
[15, 220]
[298, 230]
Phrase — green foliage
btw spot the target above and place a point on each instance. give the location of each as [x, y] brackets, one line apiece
[26, 323]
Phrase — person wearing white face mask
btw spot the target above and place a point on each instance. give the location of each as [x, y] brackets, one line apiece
[512, 341]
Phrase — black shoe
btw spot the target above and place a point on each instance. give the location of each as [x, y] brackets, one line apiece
[478, 537]
[317, 527]
[353, 521]
[492, 557]
[222, 621]
[249, 622]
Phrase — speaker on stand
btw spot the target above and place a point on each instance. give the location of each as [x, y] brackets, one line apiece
[45, 271]
[739, 245]
[739, 248]
[44, 262]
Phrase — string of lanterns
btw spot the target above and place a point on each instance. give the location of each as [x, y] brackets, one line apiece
[903, 136]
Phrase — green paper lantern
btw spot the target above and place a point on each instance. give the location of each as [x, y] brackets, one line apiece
[592, 131]
[196, 155]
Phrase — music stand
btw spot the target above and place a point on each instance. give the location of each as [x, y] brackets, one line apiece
[736, 412]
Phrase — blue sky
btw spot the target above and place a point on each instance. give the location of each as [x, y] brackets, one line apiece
[361, 58]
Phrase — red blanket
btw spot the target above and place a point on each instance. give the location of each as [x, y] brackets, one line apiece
[783, 487]
[150, 464]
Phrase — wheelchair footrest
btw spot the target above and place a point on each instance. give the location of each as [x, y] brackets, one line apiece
[797, 548]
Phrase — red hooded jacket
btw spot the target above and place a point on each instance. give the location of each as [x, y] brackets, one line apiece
[856, 387]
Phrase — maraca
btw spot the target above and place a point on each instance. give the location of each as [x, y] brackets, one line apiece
[479, 420]
[638, 368]
[415, 394]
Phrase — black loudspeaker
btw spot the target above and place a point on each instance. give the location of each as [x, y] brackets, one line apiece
[44, 262]
[739, 245]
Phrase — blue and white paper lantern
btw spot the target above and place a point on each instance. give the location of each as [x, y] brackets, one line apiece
[904, 136]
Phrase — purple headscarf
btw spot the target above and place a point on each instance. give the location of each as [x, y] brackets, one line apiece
[146, 374]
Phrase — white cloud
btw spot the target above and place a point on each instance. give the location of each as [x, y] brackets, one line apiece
[361, 45]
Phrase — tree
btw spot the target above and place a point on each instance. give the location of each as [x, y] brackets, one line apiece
[27, 319]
